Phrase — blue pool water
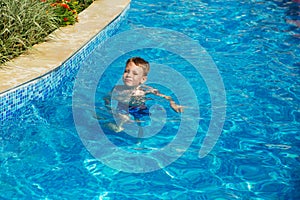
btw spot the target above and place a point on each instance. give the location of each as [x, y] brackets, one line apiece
[255, 47]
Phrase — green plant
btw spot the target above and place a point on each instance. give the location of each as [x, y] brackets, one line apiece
[84, 4]
[22, 24]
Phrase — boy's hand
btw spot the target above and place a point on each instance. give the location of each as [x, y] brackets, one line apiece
[176, 108]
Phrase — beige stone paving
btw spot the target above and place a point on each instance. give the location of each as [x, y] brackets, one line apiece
[62, 44]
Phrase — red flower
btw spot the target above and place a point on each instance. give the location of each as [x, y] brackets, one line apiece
[65, 19]
[65, 6]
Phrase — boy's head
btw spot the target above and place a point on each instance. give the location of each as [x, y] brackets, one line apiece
[138, 61]
[136, 71]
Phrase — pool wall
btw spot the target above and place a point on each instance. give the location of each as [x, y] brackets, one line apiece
[44, 86]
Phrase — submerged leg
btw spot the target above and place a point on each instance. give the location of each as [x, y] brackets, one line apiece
[115, 127]
[121, 120]
[140, 134]
[140, 131]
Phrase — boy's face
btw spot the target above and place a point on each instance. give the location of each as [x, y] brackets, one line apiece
[133, 75]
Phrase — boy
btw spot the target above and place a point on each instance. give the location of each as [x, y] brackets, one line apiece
[131, 96]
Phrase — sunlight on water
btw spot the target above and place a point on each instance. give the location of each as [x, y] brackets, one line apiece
[255, 46]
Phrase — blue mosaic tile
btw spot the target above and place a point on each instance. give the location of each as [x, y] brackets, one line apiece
[45, 86]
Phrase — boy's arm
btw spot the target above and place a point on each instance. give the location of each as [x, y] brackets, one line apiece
[173, 105]
[109, 97]
[107, 100]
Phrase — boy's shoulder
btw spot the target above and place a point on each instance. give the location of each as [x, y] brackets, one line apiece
[120, 87]
[147, 89]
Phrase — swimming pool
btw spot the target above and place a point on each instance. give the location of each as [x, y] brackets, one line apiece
[255, 47]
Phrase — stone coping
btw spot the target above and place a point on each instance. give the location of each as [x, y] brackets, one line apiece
[60, 45]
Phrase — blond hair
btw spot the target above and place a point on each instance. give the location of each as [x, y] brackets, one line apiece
[138, 61]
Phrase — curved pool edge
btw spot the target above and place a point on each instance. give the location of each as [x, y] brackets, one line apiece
[45, 80]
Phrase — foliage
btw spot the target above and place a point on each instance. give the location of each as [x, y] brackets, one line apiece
[22, 24]
[82, 4]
